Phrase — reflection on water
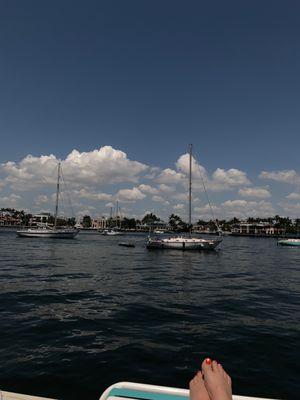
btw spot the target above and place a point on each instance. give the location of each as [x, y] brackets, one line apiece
[78, 315]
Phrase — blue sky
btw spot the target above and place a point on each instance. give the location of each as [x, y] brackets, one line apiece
[147, 78]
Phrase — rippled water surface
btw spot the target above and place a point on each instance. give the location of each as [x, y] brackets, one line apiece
[79, 315]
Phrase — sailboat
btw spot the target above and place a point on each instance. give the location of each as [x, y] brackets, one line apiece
[184, 242]
[47, 231]
[115, 230]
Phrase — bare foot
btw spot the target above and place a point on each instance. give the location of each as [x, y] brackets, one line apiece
[197, 388]
[216, 381]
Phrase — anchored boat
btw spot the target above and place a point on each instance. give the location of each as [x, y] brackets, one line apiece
[50, 231]
[289, 242]
[182, 242]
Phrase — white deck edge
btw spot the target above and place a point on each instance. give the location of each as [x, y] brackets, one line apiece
[19, 396]
[160, 389]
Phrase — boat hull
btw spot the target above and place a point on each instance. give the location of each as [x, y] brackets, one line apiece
[59, 234]
[183, 244]
[289, 242]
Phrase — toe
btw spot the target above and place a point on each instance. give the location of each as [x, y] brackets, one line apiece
[206, 366]
[214, 366]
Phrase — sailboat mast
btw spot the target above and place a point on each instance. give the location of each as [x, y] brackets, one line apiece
[57, 196]
[117, 214]
[190, 187]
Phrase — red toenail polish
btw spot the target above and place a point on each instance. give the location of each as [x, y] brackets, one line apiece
[208, 361]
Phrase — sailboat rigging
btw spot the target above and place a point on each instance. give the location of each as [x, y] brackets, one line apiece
[47, 231]
[183, 242]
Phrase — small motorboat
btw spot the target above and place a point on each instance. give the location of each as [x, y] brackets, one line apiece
[289, 242]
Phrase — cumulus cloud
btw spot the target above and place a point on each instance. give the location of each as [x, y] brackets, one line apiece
[256, 192]
[166, 188]
[90, 195]
[220, 180]
[103, 166]
[179, 206]
[130, 195]
[285, 176]
[11, 201]
[293, 210]
[158, 199]
[293, 196]
[208, 211]
[148, 189]
[169, 176]
[227, 179]
[243, 208]
[235, 208]
[183, 165]
[41, 199]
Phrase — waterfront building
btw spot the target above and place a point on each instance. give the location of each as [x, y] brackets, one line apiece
[257, 228]
[40, 219]
[8, 219]
[99, 223]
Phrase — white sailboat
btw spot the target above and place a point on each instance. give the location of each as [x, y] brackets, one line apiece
[47, 231]
[116, 230]
[184, 242]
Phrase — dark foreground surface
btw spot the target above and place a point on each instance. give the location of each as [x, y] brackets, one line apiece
[78, 315]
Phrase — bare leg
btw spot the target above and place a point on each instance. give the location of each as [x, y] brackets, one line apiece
[216, 380]
[197, 388]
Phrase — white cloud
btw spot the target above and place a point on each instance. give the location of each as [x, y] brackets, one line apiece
[221, 179]
[256, 192]
[180, 196]
[158, 199]
[229, 178]
[179, 206]
[169, 176]
[103, 166]
[41, 199]
[11, 201]
[148, 189]
[90, 195]
[286, 176]
[235, 208]
[293, 196]
[243, 208]
[207, 211]
[166, 188]
[292, 210]
[130, 195]
[183, 165]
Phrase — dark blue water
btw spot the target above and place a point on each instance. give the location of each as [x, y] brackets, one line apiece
[79, 315]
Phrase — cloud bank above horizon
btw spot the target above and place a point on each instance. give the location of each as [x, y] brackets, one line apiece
[98, 178]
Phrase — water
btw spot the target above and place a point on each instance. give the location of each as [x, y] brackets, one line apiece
[78, 315]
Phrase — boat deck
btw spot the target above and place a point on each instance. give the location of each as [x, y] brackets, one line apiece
[131, 391]
[18, 396]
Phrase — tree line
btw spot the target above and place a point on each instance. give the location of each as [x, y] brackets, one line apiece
[175, 222]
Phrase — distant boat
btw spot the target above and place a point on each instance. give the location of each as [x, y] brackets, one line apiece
[115, 230]
[111, 232]
[47, 231]
[289, 242]
[182, 242]
[159, 231]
